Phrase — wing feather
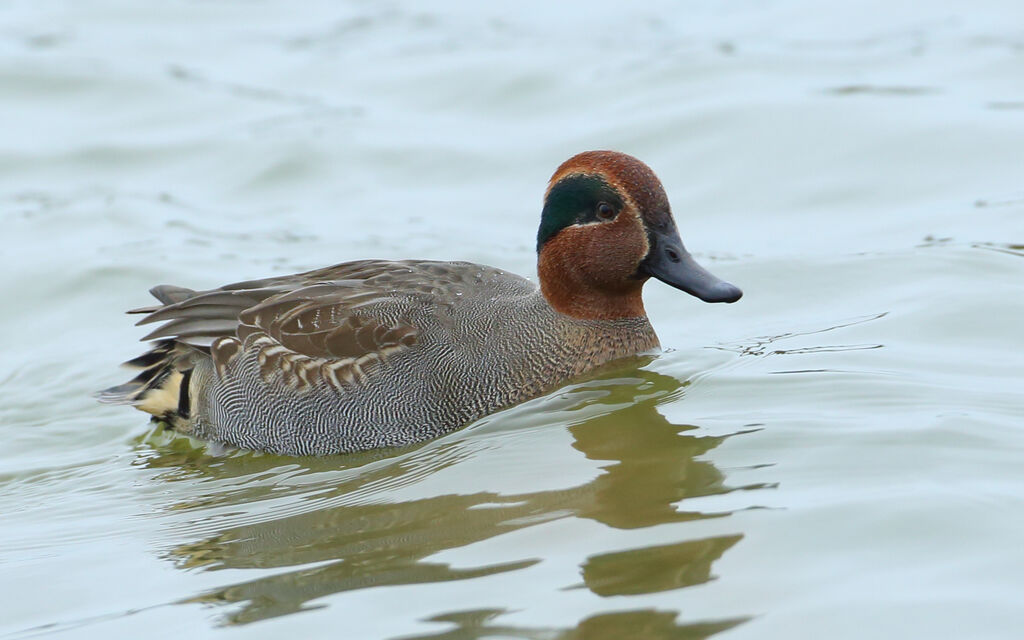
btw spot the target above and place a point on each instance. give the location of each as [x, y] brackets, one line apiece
[346, 319]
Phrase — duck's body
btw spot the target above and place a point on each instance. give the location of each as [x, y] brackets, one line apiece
[377, 353]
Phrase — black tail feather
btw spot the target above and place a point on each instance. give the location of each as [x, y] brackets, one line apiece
[161, 387]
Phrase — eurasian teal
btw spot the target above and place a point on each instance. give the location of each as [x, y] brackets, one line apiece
[377, 353]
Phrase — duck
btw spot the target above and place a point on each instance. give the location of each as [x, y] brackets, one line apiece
[371, 354]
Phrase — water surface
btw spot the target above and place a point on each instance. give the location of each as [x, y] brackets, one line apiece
[837, 455]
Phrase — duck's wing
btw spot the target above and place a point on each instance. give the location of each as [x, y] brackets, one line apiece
[197, 318]
[331, 325]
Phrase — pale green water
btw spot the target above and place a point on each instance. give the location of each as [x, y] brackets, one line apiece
[838, 455]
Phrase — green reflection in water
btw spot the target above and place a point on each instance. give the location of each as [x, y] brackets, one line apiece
[646, 624]
[330, 545]
[653, 569]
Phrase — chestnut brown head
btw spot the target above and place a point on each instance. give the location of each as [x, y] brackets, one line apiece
[607, 227]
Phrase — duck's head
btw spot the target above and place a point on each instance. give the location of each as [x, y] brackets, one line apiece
[606, 228]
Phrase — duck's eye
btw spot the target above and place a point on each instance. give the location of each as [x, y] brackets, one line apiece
[605, 211]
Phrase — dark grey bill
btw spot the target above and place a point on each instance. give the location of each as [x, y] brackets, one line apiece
[669, 262]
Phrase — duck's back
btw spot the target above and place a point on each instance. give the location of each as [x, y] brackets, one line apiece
[371, 353]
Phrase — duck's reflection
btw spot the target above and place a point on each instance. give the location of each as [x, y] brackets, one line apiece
[643, 624]
[333, 546]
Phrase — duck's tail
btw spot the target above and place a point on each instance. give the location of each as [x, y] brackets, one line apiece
[161, 387]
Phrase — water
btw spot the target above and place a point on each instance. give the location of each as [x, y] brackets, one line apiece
[837, 455]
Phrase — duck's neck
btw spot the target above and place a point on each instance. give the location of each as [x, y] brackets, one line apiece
[575, 287]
